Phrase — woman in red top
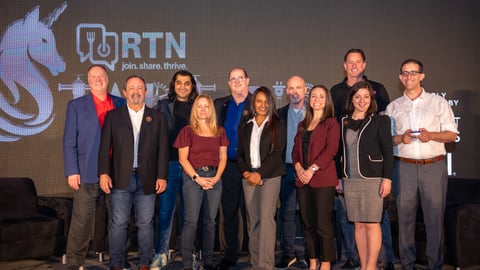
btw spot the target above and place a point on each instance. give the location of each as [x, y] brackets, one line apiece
[315, 146]
[202, 152]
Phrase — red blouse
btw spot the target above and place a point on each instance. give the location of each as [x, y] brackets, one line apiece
[203, 151]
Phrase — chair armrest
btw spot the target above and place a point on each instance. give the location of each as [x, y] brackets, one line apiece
[56, 207]
[463, 234]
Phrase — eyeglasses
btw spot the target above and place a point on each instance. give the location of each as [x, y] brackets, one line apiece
[411, 72]
[236, 79]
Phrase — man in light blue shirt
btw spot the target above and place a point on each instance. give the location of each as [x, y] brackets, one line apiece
[293, 113]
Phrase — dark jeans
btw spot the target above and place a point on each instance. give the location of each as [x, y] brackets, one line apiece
[166, 207]
[288, 209]
[122, 201]
[349, 248]
[386, 253]
[232, 197]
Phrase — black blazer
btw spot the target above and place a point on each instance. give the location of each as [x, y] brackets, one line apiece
[375, 147]
[117, 135]
[283, 112]
[271, 158]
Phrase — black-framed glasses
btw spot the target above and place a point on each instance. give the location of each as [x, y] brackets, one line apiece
[405, 73]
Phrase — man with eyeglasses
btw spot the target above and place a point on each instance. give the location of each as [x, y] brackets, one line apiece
[354, 65]
[422, 123]
[230, 111]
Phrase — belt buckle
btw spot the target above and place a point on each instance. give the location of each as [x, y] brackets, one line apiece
[205, 168]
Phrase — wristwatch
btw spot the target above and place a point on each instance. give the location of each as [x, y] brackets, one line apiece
[194, 177]
[314, 169]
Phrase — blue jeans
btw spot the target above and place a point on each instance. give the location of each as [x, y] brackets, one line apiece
[288, 209]
[349, 248]
[386, 252]
[207, 201]
[166, 206]
[122, 201]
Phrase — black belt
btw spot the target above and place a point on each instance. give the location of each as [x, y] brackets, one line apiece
[289, 165]
[207, 168]
[421, 161]
[135, 171]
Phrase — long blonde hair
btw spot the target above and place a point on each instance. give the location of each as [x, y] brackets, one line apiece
[212, 116]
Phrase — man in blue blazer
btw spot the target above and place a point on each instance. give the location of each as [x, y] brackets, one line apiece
[133, 167]
[81, 140]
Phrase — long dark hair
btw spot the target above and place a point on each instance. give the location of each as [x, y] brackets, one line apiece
[172, 96]
[272, 111]
[328, 111]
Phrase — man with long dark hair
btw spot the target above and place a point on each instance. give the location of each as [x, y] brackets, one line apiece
[176, 108]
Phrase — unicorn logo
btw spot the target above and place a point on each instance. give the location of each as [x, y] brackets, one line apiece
[25, 42]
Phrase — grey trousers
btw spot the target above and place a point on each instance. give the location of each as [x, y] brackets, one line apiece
[260, 204]
[84, 206]
[426, 184]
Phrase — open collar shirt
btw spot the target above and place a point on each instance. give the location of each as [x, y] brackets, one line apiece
[255, 143]
[429, 111]
[294, 118]
[136, 119]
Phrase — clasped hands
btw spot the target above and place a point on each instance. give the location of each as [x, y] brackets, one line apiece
[304, 175]
[206, 183]
[253, 178]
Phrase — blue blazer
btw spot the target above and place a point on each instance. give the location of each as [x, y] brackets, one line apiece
[81, 138]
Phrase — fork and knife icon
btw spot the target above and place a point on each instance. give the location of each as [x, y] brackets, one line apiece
[103, 48]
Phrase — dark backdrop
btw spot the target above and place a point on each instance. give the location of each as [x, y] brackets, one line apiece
[271, 39]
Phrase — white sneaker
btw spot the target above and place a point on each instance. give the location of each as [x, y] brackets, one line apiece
[159, 261]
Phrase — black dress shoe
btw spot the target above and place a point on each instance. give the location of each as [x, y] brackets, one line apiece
[350, 264]
[224, 265]
[389, 266]
[208, 266]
